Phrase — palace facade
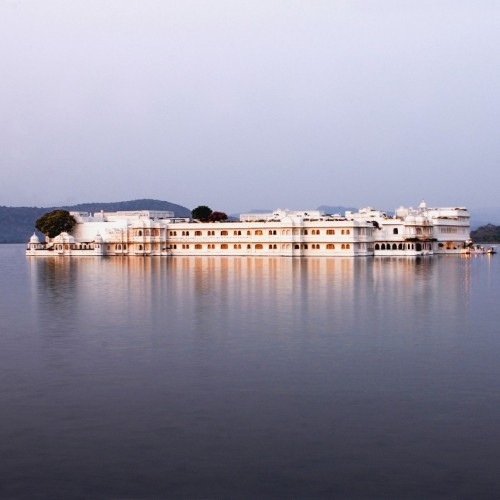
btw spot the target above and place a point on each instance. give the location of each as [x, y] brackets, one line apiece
[409, 231]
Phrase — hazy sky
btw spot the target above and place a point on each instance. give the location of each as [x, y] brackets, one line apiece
[250, 104]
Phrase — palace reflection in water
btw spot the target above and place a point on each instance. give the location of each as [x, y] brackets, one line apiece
[251, 377]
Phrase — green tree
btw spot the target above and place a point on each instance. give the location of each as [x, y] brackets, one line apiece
[201, 212]
[217, 217]
[53, 223]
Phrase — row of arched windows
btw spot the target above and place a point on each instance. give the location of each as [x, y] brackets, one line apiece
[403, 246]
[260, 246]
[259, 232]
[147, 232]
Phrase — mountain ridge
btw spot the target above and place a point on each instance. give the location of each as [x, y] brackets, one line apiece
[18, 223]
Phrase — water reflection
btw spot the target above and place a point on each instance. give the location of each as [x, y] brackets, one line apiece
[269, 377]
[207, 296]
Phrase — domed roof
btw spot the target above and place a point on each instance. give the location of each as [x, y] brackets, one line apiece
[34, 239]
[98, 238]
[64, 238]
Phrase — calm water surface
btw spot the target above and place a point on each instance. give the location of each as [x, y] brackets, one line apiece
[249, 377]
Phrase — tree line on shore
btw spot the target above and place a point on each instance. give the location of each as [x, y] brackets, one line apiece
[486, 234]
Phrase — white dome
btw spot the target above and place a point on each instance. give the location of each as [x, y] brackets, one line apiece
[98, 238]
[410, 218]
[34, 239]
[64, 238]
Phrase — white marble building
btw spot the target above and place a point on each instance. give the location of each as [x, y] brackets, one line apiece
[367, 232]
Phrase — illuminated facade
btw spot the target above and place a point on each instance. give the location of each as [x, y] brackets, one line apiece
[367, 232]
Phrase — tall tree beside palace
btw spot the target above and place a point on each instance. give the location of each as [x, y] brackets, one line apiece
[201, 213]
[56, 222]
[217, 217]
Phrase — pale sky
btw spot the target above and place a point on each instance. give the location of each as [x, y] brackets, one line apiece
[250, 104]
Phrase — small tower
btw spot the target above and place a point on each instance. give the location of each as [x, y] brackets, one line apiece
[98, 245]
[34, 243]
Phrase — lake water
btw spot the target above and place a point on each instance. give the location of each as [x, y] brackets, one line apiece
[217, 377]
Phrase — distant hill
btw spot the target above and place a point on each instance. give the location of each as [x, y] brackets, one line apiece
[18, 223]
[486, 234]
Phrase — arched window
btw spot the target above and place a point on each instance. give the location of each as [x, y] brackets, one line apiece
[400, 246]
[258, 232]
[197, 233]
[377, 246]
[223, 246]
[197, 247]
[297, 247]
[395, 231]
[330, 246]
[330, 231]
[139, 233]
[394, 246]
[259, 247]
[223, 233]
[140, 247]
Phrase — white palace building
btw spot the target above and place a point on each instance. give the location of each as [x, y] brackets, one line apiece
[411, 232]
